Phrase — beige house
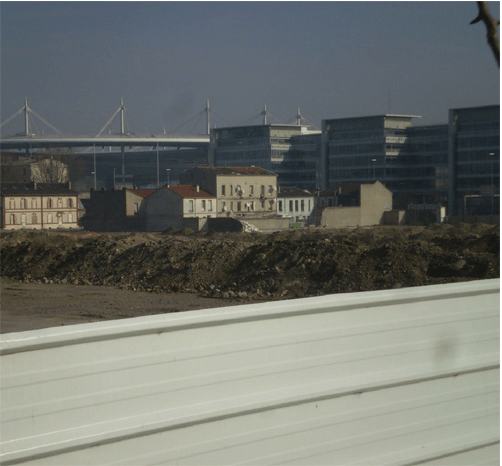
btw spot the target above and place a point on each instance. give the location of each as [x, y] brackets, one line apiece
[239, 191]
[38, 206]
[353, 204]
[179, 206]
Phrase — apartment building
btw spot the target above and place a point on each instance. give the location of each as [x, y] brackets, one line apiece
[239, 191]
[38, 206]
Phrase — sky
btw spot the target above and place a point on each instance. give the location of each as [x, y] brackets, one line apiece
[74, 61]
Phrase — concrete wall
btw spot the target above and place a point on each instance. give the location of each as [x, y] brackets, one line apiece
[340, 217]
[375, 200]
[269, 223]
[407, 376]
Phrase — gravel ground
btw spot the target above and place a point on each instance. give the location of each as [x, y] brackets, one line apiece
[61, 278]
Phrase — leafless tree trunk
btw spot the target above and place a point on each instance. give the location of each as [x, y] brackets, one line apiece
[491, 28]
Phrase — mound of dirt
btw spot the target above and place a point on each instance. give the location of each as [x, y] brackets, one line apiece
[244, 266]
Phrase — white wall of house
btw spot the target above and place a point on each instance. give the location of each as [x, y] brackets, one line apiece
[298, 207]
[165, 209]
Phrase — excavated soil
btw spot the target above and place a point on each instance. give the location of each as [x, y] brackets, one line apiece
[211, 270]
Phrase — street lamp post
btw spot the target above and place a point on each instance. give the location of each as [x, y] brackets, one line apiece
[491, 155]
[158, 172]
[94, 172]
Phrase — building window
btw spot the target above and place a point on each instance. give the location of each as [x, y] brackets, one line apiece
[251, 190]
[69, 203]
[222, 189]
[12, 219]
[210, 206]
[12, 204]
[33, 203]
[231, 207]
[23, 219]
[190, 206]
[271, 205]
[34, 219]
[231, 190]
[291, 206]
[136, 208]
[280, 206]
[251, 205]
[49, 218]
[70, 218]
[239, 206]
[296, 206]
[263, 205]
[262, 190]
[60, 202]
[24, 204]
[223, 206]
[302, 205]
[270, 189]
[49, 203]
[309, 205]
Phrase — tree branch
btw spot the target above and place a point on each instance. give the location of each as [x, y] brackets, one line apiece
[491, 28]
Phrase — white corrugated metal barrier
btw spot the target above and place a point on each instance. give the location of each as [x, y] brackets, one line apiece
[401, 377]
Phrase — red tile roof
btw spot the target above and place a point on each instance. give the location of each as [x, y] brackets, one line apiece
[144, 193]
[187, 190]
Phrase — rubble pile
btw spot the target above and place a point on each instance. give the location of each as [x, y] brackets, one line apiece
[244, 266]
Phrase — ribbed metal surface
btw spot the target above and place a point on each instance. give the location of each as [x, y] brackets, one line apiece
[406, 376]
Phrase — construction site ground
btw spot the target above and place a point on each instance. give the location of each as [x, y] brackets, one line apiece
[60, 278]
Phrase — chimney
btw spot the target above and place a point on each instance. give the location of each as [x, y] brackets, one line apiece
[197, 188]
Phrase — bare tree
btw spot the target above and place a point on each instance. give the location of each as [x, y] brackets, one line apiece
[49, 170]
[491, 28]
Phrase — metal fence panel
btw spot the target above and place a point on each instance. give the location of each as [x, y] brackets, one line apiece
[407, 376]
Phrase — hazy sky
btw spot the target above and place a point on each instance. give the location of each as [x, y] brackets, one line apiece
[75, 60]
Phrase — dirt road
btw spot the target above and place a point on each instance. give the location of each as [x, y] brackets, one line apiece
[30, 306]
